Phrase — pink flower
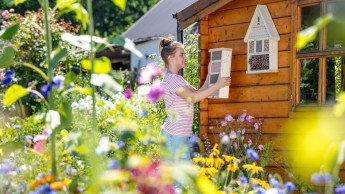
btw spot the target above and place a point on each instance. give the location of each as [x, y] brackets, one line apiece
[156, 92]
[235, 145]
[128, 93]
[232, 134]
[243, 131]
[11, 10]
[2, 74]
[5, 14]
[211, 127]
[257, 125]
[39, 139]
[261, 147]
[148, 73]
[224, 123]
[249, 118]
[229, 118]
[242, 117]
[249, 142]
[222, 134]
[10, 45]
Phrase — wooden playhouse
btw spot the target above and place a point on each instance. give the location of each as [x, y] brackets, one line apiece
[287, 81]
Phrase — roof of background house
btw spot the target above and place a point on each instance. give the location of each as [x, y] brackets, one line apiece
[158, 21]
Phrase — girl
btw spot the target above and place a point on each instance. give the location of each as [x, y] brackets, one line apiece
[179, 98]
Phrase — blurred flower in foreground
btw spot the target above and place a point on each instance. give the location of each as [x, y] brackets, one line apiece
[156, 92]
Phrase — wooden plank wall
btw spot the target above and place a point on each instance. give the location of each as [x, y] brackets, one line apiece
[265, 96]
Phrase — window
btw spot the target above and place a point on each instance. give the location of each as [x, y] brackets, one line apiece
[321, 63]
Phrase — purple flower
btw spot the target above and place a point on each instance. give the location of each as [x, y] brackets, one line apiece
[7, 81]
[259, 190]
[45, 89]
[229, 118]
[143, 113]
[261, 147]
[235, 145]
[252, 154]
[128, 93]
[5, 14]
[242, 117]
[33, 94]
[274, 182]
[211, 127]
[243, 180]
[249, 118]
[232, 134]
[320, 178]
[70, 85]
[289, 186]
[194, 138]
[18, 126]
[224, 123]
[113, 164]
[28, 137]
[156, 92]
[222, 134]
[340, 189]
[148, 73]
[120, 144]
[58, 81]
[250, 142]
[243, 131]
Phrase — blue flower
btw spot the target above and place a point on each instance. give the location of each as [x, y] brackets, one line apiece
[45, 89]
[104, 146]
[120, 144]
[34, 94]
[243, 180]
[58, 81]
[289, 186]
[194, 138]
[259, 190]
[340, 189]
[252, 153]
[22, 187]
[18, 126]
[9, 73]
[274, 182]
[6, 81]
[143, 113]
[70, 85]
[113, 164]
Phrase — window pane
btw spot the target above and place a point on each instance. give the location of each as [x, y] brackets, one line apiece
[335, 78]
[309, 87]
[309, 15]
[336, 29]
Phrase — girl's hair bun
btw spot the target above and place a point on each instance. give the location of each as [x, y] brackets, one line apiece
[166, 42]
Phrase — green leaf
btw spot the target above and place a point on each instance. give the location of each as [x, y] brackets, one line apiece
[108, 84]
[116, 76]
[73, 185]
[8, 33]
[56, 59]
[66, 6]
[14, 2]
[70, 77]
[82, 41]
[7, 58]
[66, 116]
[125, 43]
[14, 93]
[120, 3]
[102, 65]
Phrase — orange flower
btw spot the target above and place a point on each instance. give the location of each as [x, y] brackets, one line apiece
[57, 185]
[34, 184]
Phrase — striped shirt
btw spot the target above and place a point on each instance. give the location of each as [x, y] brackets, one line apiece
[179, 121]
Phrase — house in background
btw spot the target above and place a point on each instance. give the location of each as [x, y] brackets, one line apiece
[156, 23]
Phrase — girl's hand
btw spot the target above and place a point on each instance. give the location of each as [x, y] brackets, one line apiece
[223, 81]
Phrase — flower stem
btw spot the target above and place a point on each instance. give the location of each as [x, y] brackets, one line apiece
[36, 69]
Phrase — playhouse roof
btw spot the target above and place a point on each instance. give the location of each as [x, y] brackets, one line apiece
[264, 14]
[198, 10]
[158, 21]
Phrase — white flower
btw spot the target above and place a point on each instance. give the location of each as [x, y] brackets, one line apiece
[52, 120]
[104, 146]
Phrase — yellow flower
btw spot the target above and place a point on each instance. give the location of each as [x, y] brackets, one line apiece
[263, 183]
[201, 170]
[218, 162]
[232, 167]
[199, 159]
[210, 171]
[209, 162]
[229, 158]
[255, 169]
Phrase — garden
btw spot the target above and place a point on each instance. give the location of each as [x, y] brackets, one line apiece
[72, 124]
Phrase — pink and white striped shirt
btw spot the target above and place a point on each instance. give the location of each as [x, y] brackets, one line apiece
[179, 121]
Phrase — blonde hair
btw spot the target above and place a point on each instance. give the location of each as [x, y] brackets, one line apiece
[168, 47]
